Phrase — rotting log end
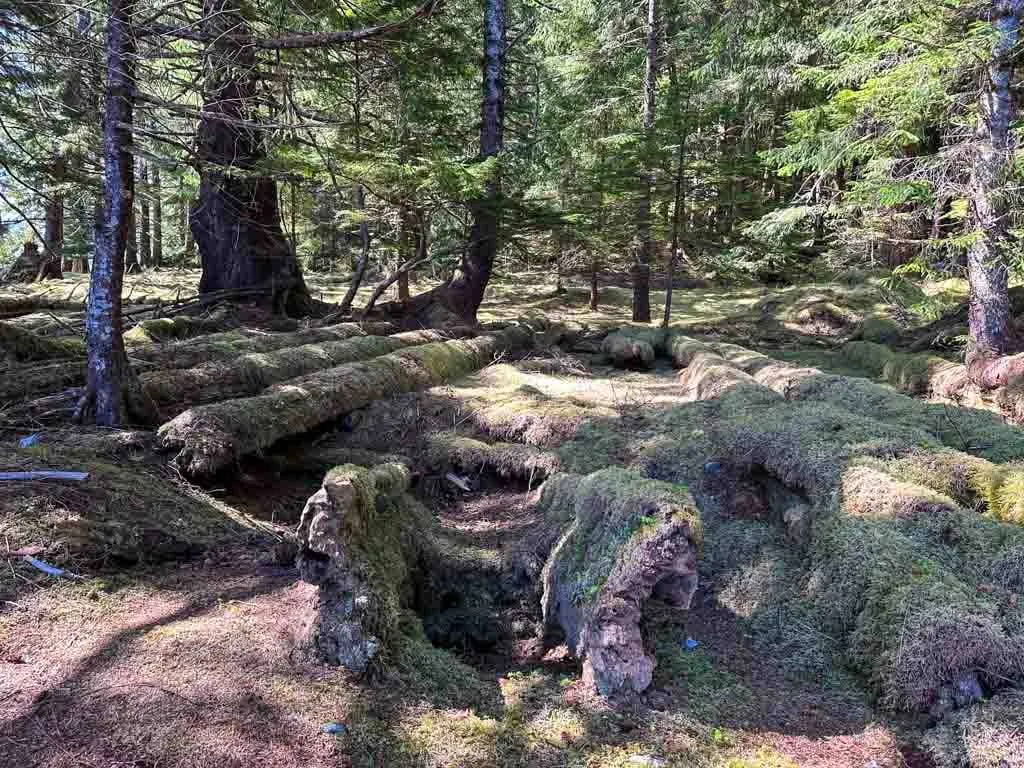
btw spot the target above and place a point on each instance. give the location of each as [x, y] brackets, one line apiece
[630, 539]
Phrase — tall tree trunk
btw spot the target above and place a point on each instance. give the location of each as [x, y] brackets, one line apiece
[109, 377]
[236, 221]
[53, 233]
[677, 221]
[145, 241]
[157, 250]
[643, 247]
[360, 198]
[466, 292]
[991, 334]
[131, 258]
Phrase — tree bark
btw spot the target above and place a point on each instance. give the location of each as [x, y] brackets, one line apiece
[145, 240]
[157, 249]
[236, 221]
[53, 245]
[677, 221]
[131, 258]
[360, 199]
[643, 246]
[466, 293]
[109, 378]
[991, 334]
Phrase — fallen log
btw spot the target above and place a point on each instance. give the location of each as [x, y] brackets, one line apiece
[209, 438]
[354, 542]
[232, 344]
[15, 306]
[252, 373]
[634, 347]
[22, 346]
[628, 538]
[22, 383]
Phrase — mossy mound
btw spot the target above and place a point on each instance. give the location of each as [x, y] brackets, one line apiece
[18, 345]
[990, 735]
[162, 329]
[880, 329]
[129, 510]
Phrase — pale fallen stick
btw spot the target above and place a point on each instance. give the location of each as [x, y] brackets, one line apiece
[44, 474]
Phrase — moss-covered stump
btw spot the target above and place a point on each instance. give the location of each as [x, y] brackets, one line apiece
[356, 538]
[254, 372]
[634, 347]
[628, 538]
[209, 438]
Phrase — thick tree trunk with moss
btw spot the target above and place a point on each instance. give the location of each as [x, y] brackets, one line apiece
[991, 333]
[626, 539]
[236, 221]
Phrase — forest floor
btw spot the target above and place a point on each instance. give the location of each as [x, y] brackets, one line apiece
[192, 658]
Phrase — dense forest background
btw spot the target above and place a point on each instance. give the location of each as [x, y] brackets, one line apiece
[744, 141]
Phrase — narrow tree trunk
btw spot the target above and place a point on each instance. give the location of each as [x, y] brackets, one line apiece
[594, 288]
[157, 249]
[360, 199]
[131, 258]
[466, 293]
[643, 247]
[236, 221]
[991, 333]
[109, 376]
[145, 241]
[677, 220]
[53, 247]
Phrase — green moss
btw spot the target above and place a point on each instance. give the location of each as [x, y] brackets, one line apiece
[880, 329]
[987, 735]
[21, 346]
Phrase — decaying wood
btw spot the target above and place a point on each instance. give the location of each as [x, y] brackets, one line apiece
[210, 438]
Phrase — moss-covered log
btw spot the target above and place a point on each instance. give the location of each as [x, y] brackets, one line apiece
[634, 347]
[15, 306]
[232, 344]
[211, 437]
[18, 345]
[356, 537]
[450, 450]
[254, 372]
[628, 538]
[158, 330]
